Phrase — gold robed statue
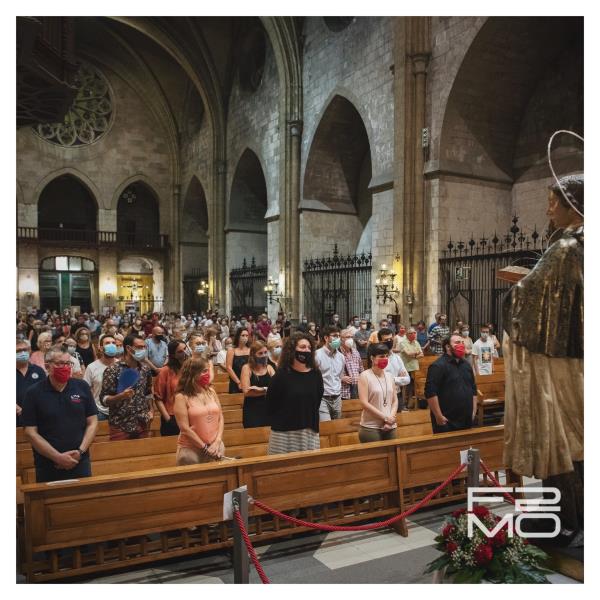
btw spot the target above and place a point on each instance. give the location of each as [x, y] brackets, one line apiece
[543, 353]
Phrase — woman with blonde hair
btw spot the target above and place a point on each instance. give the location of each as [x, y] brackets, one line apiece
[44, 342]
[256, 377]
[198, 414]
[274, 346]
[85, 347]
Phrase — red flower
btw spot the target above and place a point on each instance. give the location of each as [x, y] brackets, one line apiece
[451, 547]
[499, 539]
[448, 530]
[480, 511]
[459, 512]
[483, 554]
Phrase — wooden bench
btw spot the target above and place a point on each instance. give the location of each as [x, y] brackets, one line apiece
[102, 433]
[490, 393]
[114, 521]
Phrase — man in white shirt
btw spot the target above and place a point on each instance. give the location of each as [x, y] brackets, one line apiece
[483, 353]
[395, 365]
[95, 372]
[330, 361]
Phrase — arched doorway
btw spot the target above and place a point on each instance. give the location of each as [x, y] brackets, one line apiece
[138, 219]
[140, 285]
[337, 207]
[67, 211]
[194, 247]
[246, 233]
[67, 282]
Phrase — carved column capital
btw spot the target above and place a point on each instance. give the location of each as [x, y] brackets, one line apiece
[419, 63]
[295, 128]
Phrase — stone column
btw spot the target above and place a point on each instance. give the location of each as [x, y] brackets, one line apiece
[174, 260]
[292, 221]
[217, 269]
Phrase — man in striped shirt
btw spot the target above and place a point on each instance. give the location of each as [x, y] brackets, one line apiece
[354, 365]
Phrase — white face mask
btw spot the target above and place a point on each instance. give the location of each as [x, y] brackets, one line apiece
[484, 336]
[349, 343]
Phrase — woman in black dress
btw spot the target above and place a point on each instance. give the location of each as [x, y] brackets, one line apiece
[256, 377]
[84, 346]
[236, 358]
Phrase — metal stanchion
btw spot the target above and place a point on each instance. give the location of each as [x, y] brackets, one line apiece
[240, 554]
[473, 469]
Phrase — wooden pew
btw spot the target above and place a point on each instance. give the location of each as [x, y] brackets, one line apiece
[114, 521]
[102, 433]
[490, 393]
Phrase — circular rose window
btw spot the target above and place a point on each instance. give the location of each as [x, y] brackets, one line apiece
[88, 118]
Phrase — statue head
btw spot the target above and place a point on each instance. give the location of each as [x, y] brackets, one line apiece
[565, 201]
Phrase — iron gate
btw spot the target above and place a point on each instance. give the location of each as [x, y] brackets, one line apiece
[337, 285]
[248, 289]
[470, 290]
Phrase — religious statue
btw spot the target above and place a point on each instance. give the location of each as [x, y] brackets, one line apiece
[543, 352]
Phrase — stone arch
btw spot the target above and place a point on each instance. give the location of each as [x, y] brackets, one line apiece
[338, 167]
[248, 194]
[80, 175]
[195, 207]
[138, 215]
[138, 177]
[67, 208]
[498, 76]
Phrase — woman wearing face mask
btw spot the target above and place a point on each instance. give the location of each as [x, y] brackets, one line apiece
[164, 387]
[294, 397]
[222, 355]
[79, 367]
[136, 327]
[399, 338]
[465, 334]
[377, 394]
[256, 377]
[236, 358]
[275, 333]
[198, 414]
[44, 342]
[213, 343]
[354, 366]
[274, 347]
[84, 346]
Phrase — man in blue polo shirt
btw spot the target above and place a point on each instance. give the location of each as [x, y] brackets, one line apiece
[60, 420]
[27, 374]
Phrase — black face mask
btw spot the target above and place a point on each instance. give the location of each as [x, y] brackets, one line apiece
[303, 356]
[389, 344]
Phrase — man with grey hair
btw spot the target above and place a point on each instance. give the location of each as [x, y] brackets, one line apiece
[27, 374]
[59, 416]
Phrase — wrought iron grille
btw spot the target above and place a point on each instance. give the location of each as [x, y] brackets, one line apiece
[247, 289]
[469, 287]
[337, 285]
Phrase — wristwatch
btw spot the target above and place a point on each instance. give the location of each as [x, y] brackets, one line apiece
[81, 452]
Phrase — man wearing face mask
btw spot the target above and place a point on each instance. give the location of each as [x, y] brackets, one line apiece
[157, 347]
[59, 416]
[438, 334]
[95, 372]
[395, 367]
[483, 353]
[303, 325]
[361, 338]
[353, 365]
[27, 375]
[130, 411]
[410, 352]
[332, 365]
[450, 389]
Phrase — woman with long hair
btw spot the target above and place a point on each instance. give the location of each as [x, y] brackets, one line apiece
[256, 378]
[198, 414]
[85, 347]
[165, 385]
[275, 347]
[236, 358]
[377, 395]
[294, 397]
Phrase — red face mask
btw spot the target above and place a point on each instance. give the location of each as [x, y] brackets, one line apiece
[61, 374]
[381, 363]
[459, 350]
[402, 331]
[203, 380]
[412, 337]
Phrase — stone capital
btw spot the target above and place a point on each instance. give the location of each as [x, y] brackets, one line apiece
[295, 128]
[419, 63]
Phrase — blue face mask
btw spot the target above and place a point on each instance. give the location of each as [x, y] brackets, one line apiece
[277, 351]
[22, 356]
[140, 354]
[110, 350]
[200, 348]
[335, 343]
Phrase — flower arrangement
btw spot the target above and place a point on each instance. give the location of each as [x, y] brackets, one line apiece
[500, 559]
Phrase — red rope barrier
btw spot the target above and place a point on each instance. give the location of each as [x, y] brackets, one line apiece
[251, 552]
[369, 526]
[508, 497]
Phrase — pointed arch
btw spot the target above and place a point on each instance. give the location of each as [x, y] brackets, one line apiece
[248, 195]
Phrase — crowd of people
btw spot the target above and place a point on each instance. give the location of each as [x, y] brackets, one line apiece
[76, 370]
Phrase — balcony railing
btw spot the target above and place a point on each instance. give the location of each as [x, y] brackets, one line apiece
[86, 237]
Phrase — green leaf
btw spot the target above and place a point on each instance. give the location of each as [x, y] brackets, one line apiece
[469, 576]
[438, 563]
